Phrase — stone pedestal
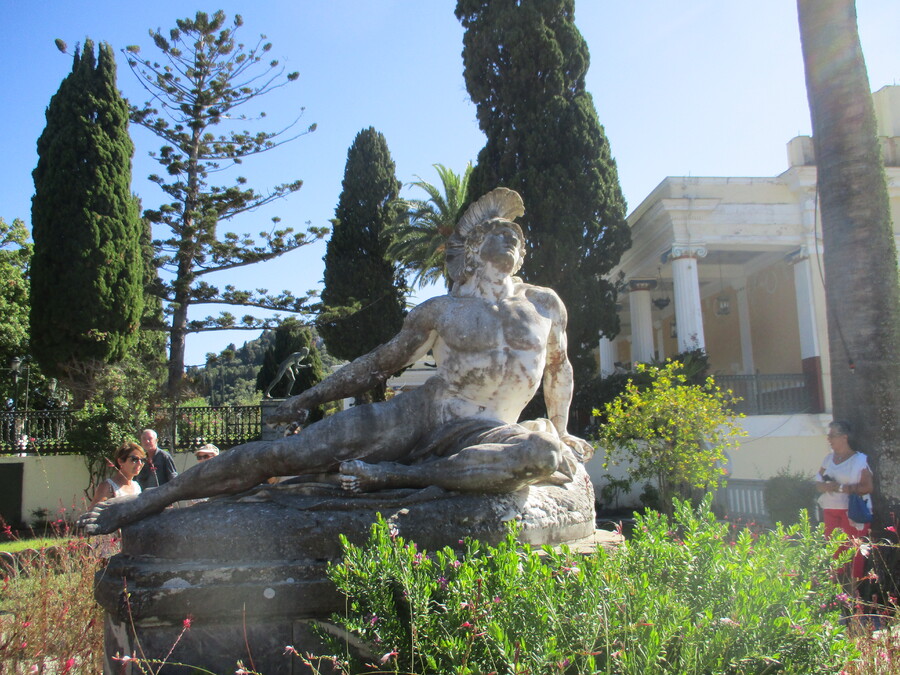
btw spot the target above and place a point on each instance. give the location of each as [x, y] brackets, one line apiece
[250, 569]
[270, 431]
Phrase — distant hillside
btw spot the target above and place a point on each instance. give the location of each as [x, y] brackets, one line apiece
[229, 377]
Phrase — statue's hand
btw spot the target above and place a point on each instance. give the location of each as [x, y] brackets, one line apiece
[294, 409]
[581, 448]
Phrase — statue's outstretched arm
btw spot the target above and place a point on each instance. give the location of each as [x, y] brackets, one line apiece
[559, 380]
[369, 370]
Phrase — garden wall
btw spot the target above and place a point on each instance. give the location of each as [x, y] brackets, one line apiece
[56, 483]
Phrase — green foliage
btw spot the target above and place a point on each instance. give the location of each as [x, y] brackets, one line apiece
[672, 432]
[787, 494]
[612, 489]
[87, 272]
[601, 390]
[228, 377]
[116, 412]
[358, 273]
[525, 64]
[683, 596]
[200, 81]
[293, 337]
[421, 233]
[15, 256]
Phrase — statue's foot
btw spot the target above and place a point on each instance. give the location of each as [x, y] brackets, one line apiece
[110, 515]
[359, 476]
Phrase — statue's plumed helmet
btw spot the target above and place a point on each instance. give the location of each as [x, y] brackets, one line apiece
[498, 207]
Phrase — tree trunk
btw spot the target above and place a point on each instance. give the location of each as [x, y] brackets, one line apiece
[860, 257]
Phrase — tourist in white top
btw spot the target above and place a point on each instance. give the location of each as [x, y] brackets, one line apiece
[128, 462]
[844, 472]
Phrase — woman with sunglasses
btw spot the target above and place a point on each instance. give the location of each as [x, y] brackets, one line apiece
[129, 461]
[844, 472]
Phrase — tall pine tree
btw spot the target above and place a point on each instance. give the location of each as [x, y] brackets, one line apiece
[199, 85]
[87, 273]
[525, 64]
[358, 273]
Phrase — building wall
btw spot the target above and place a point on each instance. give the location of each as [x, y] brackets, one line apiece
[724, 333]
[53, 482]
[773, 319]
[794, 443]
[775, 442]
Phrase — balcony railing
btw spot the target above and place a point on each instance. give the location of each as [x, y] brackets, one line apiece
[779, 394]
[44, 431]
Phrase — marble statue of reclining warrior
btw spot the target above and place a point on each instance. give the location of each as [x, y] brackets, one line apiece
[495, 340]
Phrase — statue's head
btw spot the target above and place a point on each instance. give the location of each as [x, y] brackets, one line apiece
[495, 210]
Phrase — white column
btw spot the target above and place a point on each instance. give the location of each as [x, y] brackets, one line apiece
[660, 340]
[608, 356]
[743, 307]
[641, 321]
[688, 312]
[806, 308]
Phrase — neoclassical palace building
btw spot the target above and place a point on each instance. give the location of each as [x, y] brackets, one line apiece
[734, 266]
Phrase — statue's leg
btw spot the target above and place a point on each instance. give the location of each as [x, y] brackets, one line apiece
[522, 458]
[289, 373]
[377, 432]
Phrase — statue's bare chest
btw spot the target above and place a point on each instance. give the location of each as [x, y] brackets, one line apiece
[479, 326]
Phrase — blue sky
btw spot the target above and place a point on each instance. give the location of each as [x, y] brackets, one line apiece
[702, 88]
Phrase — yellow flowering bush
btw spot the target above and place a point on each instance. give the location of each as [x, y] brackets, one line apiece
[670, 432]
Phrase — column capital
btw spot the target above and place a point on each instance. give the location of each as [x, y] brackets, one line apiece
[641, 284]
[679, 251]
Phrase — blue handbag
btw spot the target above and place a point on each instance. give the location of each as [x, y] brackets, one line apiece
[858, 509]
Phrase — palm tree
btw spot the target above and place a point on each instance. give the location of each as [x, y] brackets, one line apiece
[860, 257]
[420, 235]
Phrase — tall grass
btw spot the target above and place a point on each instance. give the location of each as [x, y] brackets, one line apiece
[49, 621]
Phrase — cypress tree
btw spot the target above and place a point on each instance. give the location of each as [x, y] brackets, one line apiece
[525, 63]
[87, 271]
[358, 273]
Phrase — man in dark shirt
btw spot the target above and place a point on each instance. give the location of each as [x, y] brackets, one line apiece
[159, 467]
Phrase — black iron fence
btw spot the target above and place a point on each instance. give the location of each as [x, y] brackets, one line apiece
[224, 426]
[778, 394]
[34, 431]
[44, 431]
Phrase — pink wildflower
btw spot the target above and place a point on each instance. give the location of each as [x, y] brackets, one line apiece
[390, 655]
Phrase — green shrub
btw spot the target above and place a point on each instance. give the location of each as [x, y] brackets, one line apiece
[787, 493]
[671, 431]
[687, 595]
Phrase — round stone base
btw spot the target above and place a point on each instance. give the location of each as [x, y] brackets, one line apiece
[250, 569]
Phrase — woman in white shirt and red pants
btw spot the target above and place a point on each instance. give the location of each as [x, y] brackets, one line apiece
[844, 472]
